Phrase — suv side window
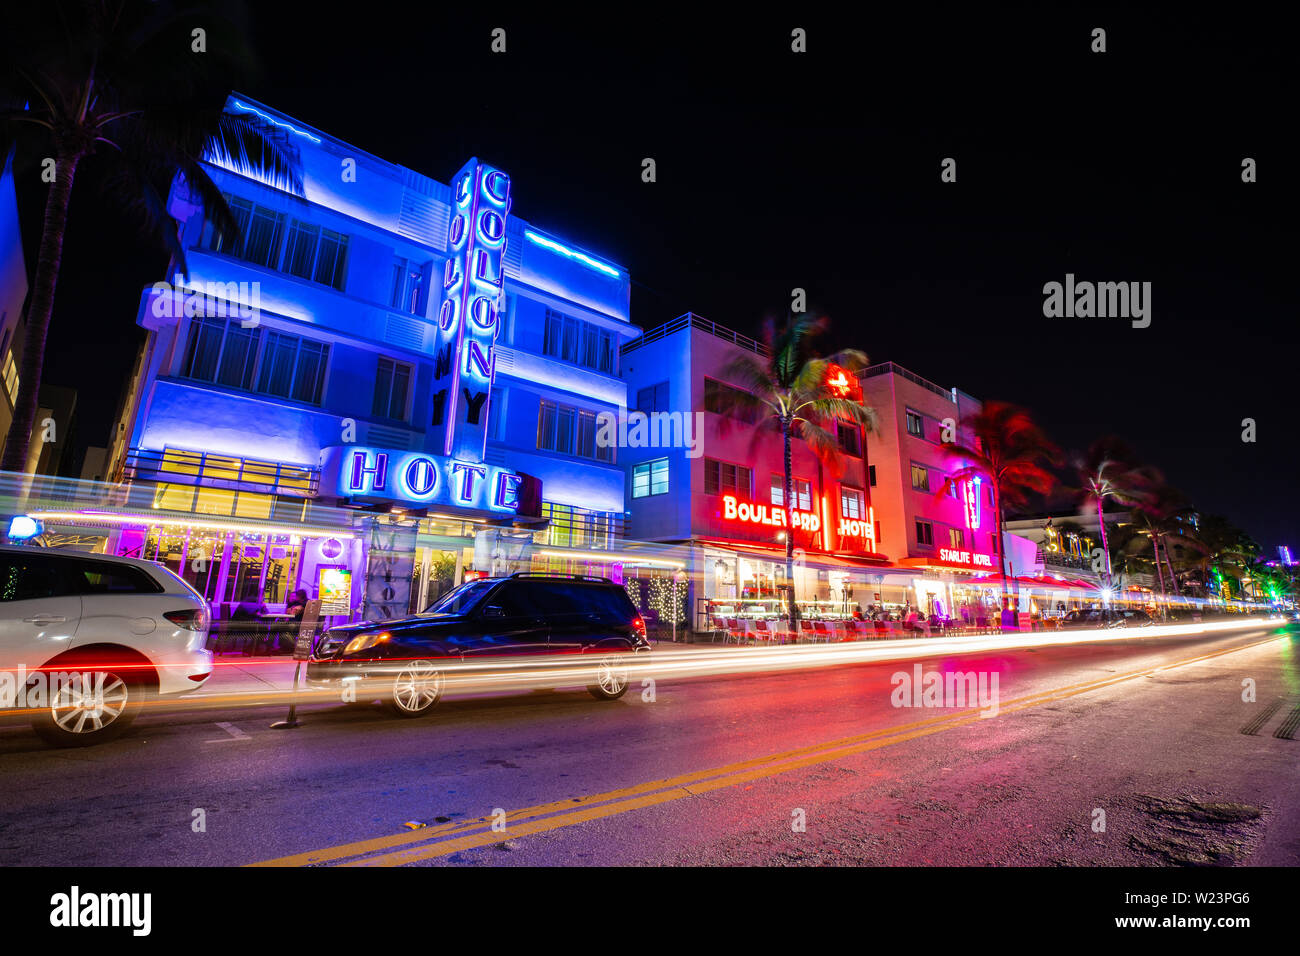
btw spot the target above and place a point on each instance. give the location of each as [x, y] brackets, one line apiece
[553, 599]
[101, 577]
[611, 603]
[24, 578]
[514, 599]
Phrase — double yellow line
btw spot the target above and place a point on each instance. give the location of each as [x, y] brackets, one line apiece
[432, 842]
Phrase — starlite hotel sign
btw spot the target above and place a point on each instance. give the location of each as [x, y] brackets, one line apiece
[452, 471]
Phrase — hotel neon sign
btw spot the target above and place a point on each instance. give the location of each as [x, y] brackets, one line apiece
[971, 499]
[770, 515]
[961, 558]
[862, 529]
[423, 479]
[468, 318]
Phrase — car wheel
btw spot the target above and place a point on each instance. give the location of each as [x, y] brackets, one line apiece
[91, 707]
[611, 679]
[416, 689]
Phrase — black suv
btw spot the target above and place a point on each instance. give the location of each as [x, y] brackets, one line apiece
[1108, 617]
[495, 621]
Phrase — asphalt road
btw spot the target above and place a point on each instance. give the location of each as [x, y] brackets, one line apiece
[796, 768]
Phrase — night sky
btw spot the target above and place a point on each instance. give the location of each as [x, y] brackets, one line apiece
[822, 171]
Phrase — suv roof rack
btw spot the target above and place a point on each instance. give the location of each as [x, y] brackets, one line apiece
[566, 577]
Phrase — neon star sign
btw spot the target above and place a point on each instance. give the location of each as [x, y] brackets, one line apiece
[840, 383]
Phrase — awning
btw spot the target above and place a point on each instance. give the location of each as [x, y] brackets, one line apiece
[870, 561]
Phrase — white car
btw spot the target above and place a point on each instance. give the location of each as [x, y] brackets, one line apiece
[86, 639]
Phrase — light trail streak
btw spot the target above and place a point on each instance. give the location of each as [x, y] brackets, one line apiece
[553, 671]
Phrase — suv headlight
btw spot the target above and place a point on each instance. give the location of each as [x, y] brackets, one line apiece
[365, 642]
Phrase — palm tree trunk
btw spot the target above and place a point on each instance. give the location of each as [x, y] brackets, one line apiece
[1002, 544]
[1173, 578]
[788, 500]
[1105, 547]
[38, 314]
[1160, 575]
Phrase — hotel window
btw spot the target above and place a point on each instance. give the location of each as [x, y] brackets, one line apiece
[871, 475]
[722, 478]
[851, 505]
[579, 342]
[392, 384]
[223, 352]
[850, 438]
[924, 533]
[586, 435]
[915, 424]
[802, 493]
[652, 398]
[293, 367]
[11, 377]
[650, 478]
[993, 543]
[597, 348]
[920, 478]
[408, 286]
[310, 252]
[332, 260]
[723, 399]
[300, 249]
[956, 538]
[261, 243]
[569, 431]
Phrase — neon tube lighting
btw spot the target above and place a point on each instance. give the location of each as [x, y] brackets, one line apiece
[571, 253]
[275, 122]
[611, 557]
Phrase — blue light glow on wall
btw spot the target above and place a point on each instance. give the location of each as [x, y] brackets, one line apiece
[570, 253]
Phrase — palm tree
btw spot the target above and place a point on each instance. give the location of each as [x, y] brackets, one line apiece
[1110, 471]
[790, 391]
[1223, 547]
[1164, 513]
[123, 82]
[1009, 451]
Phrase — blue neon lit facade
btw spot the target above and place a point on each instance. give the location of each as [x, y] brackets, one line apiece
[389, 333]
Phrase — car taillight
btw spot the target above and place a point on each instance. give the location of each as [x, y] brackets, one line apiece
[639, 625]
[193, 619]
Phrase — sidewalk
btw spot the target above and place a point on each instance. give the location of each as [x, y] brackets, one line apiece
[236, 674]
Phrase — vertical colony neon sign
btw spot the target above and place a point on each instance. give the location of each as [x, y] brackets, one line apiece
[468, 319]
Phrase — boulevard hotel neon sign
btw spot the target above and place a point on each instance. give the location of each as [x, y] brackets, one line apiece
[863, 530]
